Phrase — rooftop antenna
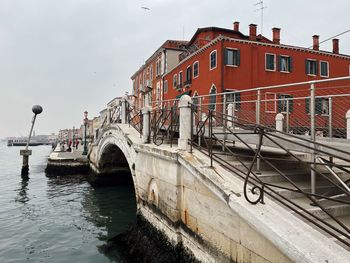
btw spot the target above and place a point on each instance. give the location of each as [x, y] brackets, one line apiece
[261, 9]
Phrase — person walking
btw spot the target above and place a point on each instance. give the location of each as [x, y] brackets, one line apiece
[76, 144]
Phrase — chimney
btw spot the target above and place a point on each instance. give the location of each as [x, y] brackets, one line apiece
[236, 26]
[316, 42]
[252, 32]
[335, 46]
[276, 35]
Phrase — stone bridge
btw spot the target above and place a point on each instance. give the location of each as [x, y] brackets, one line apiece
[202, 207]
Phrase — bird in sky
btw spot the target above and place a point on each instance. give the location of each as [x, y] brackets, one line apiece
[145, 7]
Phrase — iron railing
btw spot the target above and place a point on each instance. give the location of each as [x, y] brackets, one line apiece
[164, 125]
[221, 137]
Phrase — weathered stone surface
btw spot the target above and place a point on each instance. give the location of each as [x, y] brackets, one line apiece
[203, 208]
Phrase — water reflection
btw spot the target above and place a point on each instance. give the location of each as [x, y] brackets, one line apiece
[22, 196]
[109, 209]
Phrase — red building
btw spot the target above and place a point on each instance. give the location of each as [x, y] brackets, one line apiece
[219, 60]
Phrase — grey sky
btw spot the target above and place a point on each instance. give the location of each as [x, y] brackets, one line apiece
[72, 55]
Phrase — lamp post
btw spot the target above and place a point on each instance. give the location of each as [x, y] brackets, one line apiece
[85, 123]
[37, 109]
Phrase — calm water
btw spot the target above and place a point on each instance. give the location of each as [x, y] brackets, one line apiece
[57, 219]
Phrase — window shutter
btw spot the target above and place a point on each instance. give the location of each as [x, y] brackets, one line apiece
[279, 104]
[290, 104]
[279, 66]
[307, 105]
[306, 66]
[290, 64]
[238, 100]
[316, 67]
[225, 56]
[238, 57]
[318, 106]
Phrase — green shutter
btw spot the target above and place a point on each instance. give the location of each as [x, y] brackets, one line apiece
[290, 64]
[307, 105]
[238, 57]
[279, 103]
[238, 100]
[225, 56]
[290, 104]
[279, 61]
[306, 67]
[316, 66]
[318, 106]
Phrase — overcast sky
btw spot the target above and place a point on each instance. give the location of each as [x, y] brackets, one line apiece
[75, 55]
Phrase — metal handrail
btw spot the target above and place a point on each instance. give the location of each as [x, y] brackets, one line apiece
[258, 186]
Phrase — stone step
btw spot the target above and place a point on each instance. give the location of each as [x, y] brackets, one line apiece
[334, 208]
[305, 186]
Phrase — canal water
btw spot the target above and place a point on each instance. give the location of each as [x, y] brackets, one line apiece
[60, 219]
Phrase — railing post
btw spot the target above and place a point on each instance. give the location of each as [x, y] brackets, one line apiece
[287, 117]
[124, 109]
[185, 122]
[258, 105]
[231, 115]
[330, 117]
[348, 125]
[313, 136]
[146, 124]
[224, 122]
[279, 122]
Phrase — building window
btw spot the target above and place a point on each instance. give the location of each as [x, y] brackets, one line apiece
[165, 87]
[213, 59]
[285, 64]
[195, 69]
[232, 57]
[321, 106]
[234, 98]
[175, 81]
[284, 102]
[324, 69]
[311, 67]
[180, 80]
[188, 75]
[270, 62]
[212, 98]
[151, 72]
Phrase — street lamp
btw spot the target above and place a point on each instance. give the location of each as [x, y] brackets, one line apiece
[85, 123]
[37, 109]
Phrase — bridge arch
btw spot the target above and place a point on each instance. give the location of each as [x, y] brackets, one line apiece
[115, 159]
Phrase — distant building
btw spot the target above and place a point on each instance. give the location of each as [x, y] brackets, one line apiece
[148, 80]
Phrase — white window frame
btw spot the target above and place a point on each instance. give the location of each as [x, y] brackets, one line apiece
[197, 62]
[288, 59]
[216, 59]
[274, 62]
[268, 100]
[324, 76]
[229, 65]
[284, 99]
[310, 59]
